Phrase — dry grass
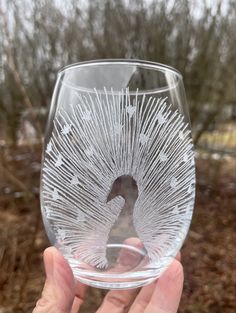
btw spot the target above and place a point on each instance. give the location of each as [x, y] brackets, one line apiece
[209, 253]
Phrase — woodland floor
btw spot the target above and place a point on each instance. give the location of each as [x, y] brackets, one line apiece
[208, 255]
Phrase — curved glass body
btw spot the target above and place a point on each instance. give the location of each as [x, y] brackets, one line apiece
[118, 174]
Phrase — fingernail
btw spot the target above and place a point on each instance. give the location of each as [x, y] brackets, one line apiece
[130, 258]
[48, 264]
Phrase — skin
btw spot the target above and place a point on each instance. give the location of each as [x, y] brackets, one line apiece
[61, 294]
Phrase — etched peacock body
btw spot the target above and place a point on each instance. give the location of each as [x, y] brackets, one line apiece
[101, 137]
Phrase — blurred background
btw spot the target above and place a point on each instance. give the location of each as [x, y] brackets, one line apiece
[37, 38]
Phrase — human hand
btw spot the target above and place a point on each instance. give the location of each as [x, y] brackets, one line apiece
[61, 294]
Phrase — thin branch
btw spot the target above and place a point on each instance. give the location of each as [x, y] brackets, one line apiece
[12, 178]
[7, 47]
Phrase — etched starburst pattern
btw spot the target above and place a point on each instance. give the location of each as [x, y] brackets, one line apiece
[100, 138]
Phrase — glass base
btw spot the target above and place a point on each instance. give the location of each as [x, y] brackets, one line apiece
[128, 268]
[116, 285]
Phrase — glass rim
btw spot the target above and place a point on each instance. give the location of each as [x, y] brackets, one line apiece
[155, 66]
[137, 62]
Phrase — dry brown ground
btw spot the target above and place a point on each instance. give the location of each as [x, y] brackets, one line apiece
[209, 253]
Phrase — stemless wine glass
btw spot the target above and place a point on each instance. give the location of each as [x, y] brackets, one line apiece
[118, 173]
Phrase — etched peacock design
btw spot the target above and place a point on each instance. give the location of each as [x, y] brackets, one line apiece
[104, 136]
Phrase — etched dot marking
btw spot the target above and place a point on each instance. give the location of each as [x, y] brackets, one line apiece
[59, 161]
[143, 139]
[66, 129]
[49, 147]
[130, 110]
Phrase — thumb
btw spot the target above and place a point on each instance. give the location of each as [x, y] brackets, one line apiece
[59, 289]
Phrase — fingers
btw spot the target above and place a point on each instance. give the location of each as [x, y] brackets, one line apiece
[145, 295]
[59, 288]
[178, 256]
[130, 258]
[167, 293]
[80, 293]
[76, 305]
[118, 301]
[142, 299]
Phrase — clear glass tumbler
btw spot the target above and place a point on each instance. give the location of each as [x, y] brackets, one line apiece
[118, 173]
